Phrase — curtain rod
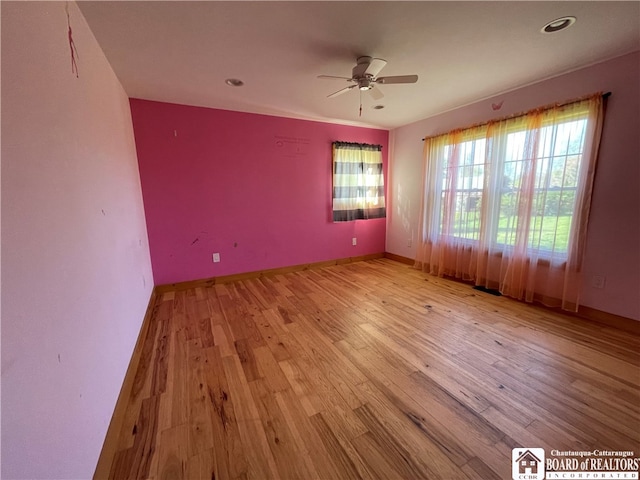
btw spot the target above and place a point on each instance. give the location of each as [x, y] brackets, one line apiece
[356, 144]
[604, 95]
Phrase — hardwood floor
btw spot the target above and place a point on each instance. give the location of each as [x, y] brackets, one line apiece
[369, 370]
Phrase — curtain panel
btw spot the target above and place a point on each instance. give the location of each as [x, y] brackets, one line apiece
[506, 204]
[358, 182]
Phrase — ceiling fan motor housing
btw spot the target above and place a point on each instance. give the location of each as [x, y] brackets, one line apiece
[360, 69]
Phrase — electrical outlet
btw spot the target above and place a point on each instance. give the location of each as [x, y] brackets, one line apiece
[354, 241]
[597, 281]
[409, 242]
[216, 258]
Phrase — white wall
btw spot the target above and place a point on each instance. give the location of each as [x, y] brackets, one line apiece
[613, 243]
[76, 272]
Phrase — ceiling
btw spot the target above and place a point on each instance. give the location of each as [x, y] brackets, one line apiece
[182, 52]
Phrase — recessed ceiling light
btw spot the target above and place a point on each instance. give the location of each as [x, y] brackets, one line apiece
[234, 82]
[378, 107]
[558, 24]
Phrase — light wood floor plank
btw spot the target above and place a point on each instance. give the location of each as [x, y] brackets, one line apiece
[368, 370]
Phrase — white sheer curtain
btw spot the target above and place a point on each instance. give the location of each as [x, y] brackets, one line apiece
[506, 204]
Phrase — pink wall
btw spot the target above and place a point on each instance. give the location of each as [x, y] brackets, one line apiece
[613, 243]
[76, 271]
[254, 188]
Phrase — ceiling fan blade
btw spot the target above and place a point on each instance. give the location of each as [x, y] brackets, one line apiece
[398, 79]
[341, 91]
[333, 77]
[376, 94]
[375, 66]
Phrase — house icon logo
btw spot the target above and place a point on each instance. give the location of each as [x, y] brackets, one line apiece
[527, 463]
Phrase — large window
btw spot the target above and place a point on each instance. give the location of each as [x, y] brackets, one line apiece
[556, 166]
[504, 198]
[358, 182]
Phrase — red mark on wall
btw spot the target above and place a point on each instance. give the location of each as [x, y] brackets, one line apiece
[72, 45]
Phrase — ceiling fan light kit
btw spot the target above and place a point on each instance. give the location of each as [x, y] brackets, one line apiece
[365, 84]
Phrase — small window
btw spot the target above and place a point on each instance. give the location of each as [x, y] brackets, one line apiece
[358, 182]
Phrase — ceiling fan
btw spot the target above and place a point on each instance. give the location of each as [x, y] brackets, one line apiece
[365, 76]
